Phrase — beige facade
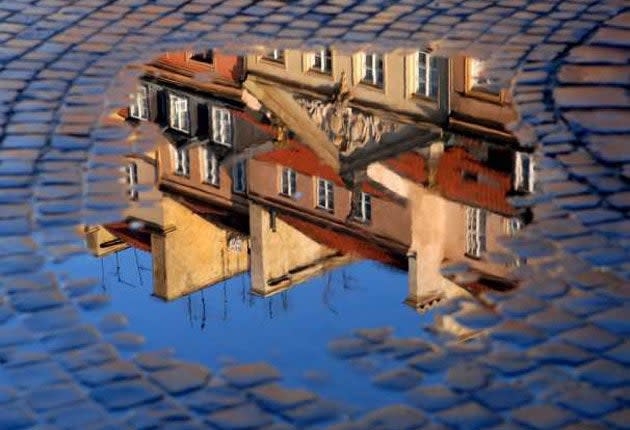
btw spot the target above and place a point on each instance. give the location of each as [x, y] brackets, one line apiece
[282, 256]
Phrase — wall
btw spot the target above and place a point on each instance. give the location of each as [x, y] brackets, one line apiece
[389, 219]
[394, 95]
[285, 252]
[193, 255]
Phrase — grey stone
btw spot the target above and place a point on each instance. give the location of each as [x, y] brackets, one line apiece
[249, 375]
[181, 378]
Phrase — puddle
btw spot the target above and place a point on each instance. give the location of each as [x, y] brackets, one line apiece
[355, 238]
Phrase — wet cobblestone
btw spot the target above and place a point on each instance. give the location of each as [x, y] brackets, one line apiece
[56, 63]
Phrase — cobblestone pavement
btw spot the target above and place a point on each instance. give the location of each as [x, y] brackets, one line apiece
[556, 354]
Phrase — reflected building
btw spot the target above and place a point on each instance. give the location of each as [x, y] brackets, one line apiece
[289, 164]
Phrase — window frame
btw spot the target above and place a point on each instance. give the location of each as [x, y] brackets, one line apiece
[202, 57]
[374, 62]
[276, 56]
[476, 224]
[363, 207]
[524, 178]
[131, 170]
[135, 109]
[329, 194]
[471, 90]
[181, 161]
[173, 112]
[218, 115]
[239, 167]
[326, 59]
[431, 78]
[211, 163]
[288, 177]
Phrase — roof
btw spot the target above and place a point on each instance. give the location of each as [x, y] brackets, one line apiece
[410, 165]
[462, 178]
[303, 159]
[136, 238]
[359, 246]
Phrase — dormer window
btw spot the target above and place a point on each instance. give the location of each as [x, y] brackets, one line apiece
[139, 109]
[427, 77]
[178, 113]
[322, 61]
[221, 126]
[204, 57]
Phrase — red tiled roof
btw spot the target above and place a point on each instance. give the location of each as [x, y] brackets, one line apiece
[226, 66]
[409, 164]
[136, 238]
[303, 159]
[345, 243]
[489, 189]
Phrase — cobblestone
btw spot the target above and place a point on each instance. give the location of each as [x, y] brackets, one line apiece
[57, 60]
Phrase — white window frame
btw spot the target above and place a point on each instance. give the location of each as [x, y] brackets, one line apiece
[288, 182]
[363, 207]
[476, 80]
[325, 189]
[239, 177]
[325, 61]
[212, 173]
[475, 232]
[427, 75]
[524, 173]
[370, 72]
[179, 114]
[513, 225]
[222, 126]
[131, 171]
[181, 160]
[139, 109]
[276, 55]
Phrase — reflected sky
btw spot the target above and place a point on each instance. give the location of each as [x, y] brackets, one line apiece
[291, 331]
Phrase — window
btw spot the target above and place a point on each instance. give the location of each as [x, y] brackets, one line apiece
[373, 69]
[427, 77]
[178, 109]
[132, 180]
[139, 109]
[288, 182]
[322, 61]
[513, 226]
[222, 126]
[211, 167]
[182, 161]
[204, 57]
[325, 194]
[523, 172]
[239, 180]
[479, 78]
[363, 207]
[475, 232]
[276, 55]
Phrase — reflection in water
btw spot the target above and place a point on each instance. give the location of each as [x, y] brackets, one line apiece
[291, 164]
